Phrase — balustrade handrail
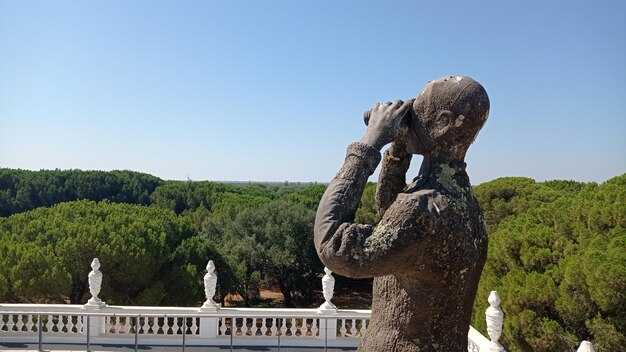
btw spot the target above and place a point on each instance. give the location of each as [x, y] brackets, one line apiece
[127, 311]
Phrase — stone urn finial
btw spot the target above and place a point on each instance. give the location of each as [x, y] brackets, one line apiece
[210, 283]
[495, 319]
[95, 284]
[328, 288]
[585, 346]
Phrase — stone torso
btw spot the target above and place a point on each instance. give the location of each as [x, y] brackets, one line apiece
[446, 245]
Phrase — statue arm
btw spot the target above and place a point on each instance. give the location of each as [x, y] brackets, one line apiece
[392, 178]
[358, 250]
[335, 231]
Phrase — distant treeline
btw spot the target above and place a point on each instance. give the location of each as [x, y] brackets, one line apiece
[557, 249]
[23, 190]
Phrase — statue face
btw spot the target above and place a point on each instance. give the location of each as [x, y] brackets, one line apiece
[418, 140]
[414, 145]
[447, 116]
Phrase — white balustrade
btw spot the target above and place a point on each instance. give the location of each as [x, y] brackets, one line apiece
[207, 325]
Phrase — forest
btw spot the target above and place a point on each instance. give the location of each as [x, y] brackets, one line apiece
[556, 248]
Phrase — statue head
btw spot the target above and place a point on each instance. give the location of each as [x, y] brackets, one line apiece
[447, 116]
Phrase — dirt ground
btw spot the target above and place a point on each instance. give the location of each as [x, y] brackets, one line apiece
[349, 294]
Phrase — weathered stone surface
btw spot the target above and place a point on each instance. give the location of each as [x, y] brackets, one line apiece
[429, 248]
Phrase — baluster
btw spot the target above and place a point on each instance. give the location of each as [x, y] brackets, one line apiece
[154, 325]
[109, 325]
[71, 321]
[112, 325]
[150, 325]
[222, 329]
[125, 325]
[289, 325]
[19, 324]
[250, 324]
[260, 325]
[275, 331]
[119, 325]
[167, 325]
[65, 323]
[363, 327]
[29, 323]
[49, 323]
[142, 325]
[263, 327]
[79, 324]
[59, 323]
[134, 325]
[10, 323]
[194, 326]
[343, 330]
[175, 327]
[295, 329]
[160, 325]
[233, 326]
[282, 326]
[315, 329]
[302, 327]
[353, 327]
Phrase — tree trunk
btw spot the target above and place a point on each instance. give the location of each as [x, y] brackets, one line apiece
[79, 288]
[286, 291]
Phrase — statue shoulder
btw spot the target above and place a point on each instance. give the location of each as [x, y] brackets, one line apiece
[422, 203]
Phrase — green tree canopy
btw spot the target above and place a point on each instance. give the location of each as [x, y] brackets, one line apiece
[47, 251]
[559, 263]
[274, 243]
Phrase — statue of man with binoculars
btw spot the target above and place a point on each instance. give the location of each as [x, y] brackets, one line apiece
[428, 250]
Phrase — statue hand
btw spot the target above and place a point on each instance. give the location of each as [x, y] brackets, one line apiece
[386, 122]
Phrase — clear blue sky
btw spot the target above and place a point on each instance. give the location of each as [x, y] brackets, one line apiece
[275, 90]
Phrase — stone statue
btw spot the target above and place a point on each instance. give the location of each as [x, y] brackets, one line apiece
[428, 250]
